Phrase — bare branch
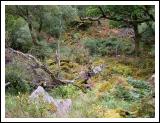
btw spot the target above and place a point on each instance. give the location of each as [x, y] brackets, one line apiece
[6, 84]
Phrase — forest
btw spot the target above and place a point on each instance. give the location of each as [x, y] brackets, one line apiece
[79, 61]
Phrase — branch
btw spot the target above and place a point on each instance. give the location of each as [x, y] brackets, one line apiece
[91, 18]
[103, 15]
[6, 84]
[115, 19]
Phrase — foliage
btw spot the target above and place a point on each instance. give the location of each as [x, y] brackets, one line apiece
[18, 79]
[18, 35]
[134, 15]
[146, 108]
[66, 91]
[115, 24]
[57, 18]
[119, 91]
[147, 32]
[21, 39]
[41, 51]
[92, 11]
[138, 83]
[21, 106]
[107, 47]
[17, 84]
[80, 56]
[122, 93]
[122, 69]
[143, 88]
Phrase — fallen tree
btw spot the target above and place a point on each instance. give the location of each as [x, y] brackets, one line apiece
[35, 63]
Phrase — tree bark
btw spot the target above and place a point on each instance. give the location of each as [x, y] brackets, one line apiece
[137, 39]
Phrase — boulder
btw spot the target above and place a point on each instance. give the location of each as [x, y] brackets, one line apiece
[63, 106]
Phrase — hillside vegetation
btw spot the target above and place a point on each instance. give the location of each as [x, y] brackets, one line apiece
[61, 48]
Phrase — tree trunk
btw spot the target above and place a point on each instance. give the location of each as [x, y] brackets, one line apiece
[137, 39]
[40, 25]
[34, 39]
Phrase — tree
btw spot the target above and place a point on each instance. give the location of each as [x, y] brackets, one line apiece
[132, 16]
[43, 22]
[25, 13]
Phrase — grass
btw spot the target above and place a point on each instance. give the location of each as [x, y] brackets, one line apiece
[118, 92]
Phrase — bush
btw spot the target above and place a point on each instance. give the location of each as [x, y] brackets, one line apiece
[17, 84]
[146, 107]
[121, 93]
[115, 24]
[80, 55]
[140, 84]
[17, 34]
[19, 79]
[147, 32]
[107, 47]
[21, 107]
[65, 52]
[41, 51]
[122, 69]
[64, 91]
[21, 39]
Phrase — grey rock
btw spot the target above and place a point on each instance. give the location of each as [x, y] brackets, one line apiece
[63, 105]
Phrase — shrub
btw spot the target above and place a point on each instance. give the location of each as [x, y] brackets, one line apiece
[17, 84]
[17, 34]
[142, 88]
[140, 84]
[21, 107]
[41, 51]
[146, 108]
[107, 47]
[64, 91]
[122, 93]
[114, 24]
[122, 69]
[19, 79]
[80, 55]
[65, 52]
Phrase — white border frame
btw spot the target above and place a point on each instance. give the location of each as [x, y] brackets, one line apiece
[156, 3]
